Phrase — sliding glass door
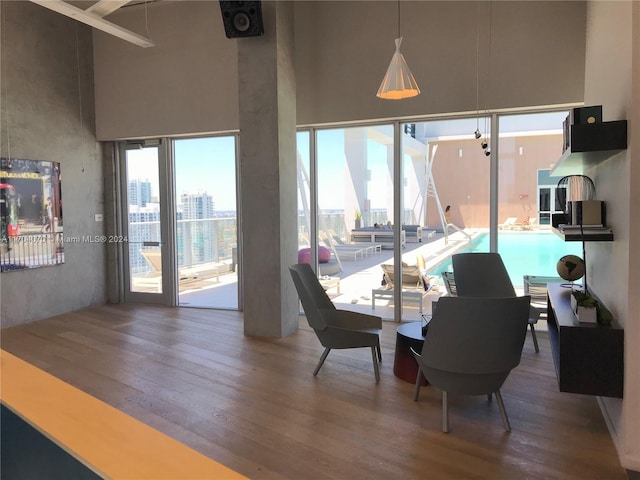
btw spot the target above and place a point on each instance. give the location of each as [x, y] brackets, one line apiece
[147, 273]
[180, 222]
[206, 240]
[528, 145]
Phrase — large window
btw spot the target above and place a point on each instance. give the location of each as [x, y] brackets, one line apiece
[450, 190]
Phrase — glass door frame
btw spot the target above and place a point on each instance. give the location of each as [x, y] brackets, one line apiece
[173, 217]
[398, 196]
[169, 293]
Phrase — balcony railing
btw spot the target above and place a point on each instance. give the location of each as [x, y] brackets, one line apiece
[199, 242]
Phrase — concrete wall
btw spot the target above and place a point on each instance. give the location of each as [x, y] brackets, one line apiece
[612, 80]
[40, 120]
[188, 83]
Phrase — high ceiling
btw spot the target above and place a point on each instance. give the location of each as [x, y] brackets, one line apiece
[93, 15]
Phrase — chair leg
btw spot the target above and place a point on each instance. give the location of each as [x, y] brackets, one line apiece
[322, 359]
[374, 354]
[445, 413]
[534, 338]
[503, 412]
[379, 353]
[416, 391]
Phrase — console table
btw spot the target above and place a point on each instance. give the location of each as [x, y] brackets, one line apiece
[589, 358]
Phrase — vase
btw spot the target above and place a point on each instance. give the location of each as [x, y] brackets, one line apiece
[584, 314]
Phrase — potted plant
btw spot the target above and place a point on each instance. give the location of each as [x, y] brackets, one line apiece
[358, 218]
[589, 310]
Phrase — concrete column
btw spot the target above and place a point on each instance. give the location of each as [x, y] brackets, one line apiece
[268, 200]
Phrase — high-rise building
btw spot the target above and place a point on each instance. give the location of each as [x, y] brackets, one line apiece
[199, 228]
[139, 192]
[144, 226]
[197, 205]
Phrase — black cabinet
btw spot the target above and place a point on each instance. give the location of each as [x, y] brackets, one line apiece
[589, 358]
[590, 144]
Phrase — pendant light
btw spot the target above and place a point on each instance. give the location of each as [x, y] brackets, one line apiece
[398, 82]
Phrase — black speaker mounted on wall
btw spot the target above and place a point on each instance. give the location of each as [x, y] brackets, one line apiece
[242, 19]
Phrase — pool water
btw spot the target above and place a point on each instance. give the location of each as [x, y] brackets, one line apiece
[522, 253]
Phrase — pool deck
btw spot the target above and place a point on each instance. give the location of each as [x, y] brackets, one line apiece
[358, 278]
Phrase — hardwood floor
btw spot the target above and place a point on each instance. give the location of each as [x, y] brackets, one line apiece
[253, 404]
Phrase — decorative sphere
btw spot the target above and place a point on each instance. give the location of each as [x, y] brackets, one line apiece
[570, 268]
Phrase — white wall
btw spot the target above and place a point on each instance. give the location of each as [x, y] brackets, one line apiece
[343, 50]
[612, 79]
[188, 82]
[45, 73]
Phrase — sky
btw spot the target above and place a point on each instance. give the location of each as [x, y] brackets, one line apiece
[208, 164]
[202, 165]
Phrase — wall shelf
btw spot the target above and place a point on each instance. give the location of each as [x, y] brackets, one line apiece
[588, 236]
[589, 358]
[591, 144]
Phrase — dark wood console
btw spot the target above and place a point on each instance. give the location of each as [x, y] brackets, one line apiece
[589, 358]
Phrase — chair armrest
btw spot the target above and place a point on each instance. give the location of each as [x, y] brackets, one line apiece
[354, 320]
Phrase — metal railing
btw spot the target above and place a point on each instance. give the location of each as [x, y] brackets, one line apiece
[199, 242]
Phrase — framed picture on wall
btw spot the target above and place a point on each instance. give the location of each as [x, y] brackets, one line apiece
[31, 225]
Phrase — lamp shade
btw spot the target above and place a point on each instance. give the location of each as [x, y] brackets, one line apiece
[398, 82]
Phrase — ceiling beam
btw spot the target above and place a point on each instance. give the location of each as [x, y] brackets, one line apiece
[105, 7]
[95, 21]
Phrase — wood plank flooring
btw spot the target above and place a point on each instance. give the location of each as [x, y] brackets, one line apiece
[253, 405]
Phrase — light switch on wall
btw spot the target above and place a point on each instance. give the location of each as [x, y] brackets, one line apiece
[99, 217]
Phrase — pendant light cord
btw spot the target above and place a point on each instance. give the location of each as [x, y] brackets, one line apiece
[478, 66]
[488, 88]
[80, 99]
[398, 19]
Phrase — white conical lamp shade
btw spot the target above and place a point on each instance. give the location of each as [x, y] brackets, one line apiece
[398, 82]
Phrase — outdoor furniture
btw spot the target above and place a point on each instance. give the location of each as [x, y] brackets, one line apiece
[508, 223]
[343, 250]
[536, 287]
[368, 247]
[153, 279]
[335, 328]
[471, 347]
[377, 235]
[413, 286]
[328, 282]
[413, 233]
[449, 283]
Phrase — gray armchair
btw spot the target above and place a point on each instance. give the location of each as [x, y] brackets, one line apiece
[484, 275]
[481, 275]
[335, 328]
[471, 347]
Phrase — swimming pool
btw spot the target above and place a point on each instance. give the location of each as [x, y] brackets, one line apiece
[522, 253]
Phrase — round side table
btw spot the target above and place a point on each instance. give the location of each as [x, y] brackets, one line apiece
[405, 367]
